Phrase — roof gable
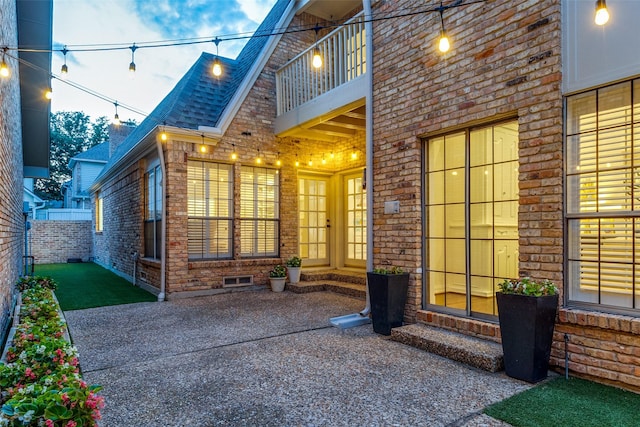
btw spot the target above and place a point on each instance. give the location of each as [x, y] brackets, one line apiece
[199, 99]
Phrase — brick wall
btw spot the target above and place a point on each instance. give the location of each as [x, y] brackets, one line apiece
[122, 235]
[53, 242]
[504, 62]
[11, 182]
[600, 346]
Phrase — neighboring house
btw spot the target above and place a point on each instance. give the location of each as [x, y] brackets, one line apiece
[464, 169]
[24, 131]
[85, 167]
[31, 201]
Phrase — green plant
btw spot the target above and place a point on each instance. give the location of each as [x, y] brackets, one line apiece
[294, 261]
[40, 383]
[528, 286]
[388, 270]
[278, 271]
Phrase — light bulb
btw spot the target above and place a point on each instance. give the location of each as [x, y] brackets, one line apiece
[203, 148]
[602, 14]
[217, 68]
[163, 136]
[64, 70]
[317, 58]
[48, 94]
[4, 69]
[297, 163]
[258, 160]
[234, 156]
[116, 119]
[443, 44]
[278, 162]
[132, 70]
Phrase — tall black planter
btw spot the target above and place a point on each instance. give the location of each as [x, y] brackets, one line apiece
[388, 295]
[526, 326]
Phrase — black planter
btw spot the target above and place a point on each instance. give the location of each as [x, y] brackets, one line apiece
[388, 295]
[526, 326]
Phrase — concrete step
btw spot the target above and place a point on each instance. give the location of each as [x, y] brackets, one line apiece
[345, 276]
[476, 352]
[351, 289]
[345, 282]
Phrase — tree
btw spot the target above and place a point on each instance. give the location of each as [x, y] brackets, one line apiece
[72, 132]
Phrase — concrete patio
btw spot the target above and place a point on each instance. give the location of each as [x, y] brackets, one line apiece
[265, 359]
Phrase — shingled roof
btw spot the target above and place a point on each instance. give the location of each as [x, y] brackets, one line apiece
[199, 99]
[97, 153]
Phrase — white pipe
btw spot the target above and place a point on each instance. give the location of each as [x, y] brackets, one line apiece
[163, 237]
[368, 27]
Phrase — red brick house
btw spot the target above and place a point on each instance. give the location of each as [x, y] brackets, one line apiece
[463, 168]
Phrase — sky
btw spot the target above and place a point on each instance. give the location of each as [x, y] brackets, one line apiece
[125, 22]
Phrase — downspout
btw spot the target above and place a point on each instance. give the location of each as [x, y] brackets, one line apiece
[163, 237]
[368, 27]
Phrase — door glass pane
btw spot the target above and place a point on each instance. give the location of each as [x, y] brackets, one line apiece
[356, 213]
[312, 211]
[488, 198]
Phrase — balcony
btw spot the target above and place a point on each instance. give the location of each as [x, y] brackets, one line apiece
[326, 103]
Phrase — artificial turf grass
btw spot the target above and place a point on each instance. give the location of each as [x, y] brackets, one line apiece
[87, 285]
[569, 403]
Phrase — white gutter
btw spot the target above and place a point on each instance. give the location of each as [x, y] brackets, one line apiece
[368, 26]
[163, 238]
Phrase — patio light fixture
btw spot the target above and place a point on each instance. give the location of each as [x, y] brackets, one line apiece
[4, 68]
[64, 69]
[443, 44]
[602, 14]
[217, 67]
[116, 118]
[317, 58]
[132, 65]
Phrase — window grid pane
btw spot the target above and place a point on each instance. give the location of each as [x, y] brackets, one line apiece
[209, 206]
[603, 191]
[259, 212]
[492, 208]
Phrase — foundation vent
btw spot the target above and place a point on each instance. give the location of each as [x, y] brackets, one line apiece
[235, 281]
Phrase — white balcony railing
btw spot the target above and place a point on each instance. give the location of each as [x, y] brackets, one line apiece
[344, 58]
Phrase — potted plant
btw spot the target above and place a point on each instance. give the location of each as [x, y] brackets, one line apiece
[527, 312]
[277, 276]
[293, 267]
[387, 295]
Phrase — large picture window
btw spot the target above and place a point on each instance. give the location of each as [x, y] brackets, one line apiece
[153, 213]
[259, 212]
[603, 196]
[472, 216]
[210, 206]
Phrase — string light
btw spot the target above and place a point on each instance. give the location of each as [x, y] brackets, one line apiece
[259, 158]
[297, 162]
[310, 161]
[4, 68]
[317, 58]
[278, 161]
[217, 67]
[602, 14]
[48, 94]
[116, 118]
[234, 155]
[324, 161]
[64, 69]
[443, 44]
[132, 65]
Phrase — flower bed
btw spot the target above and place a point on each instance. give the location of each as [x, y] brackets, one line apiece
[40, 379]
